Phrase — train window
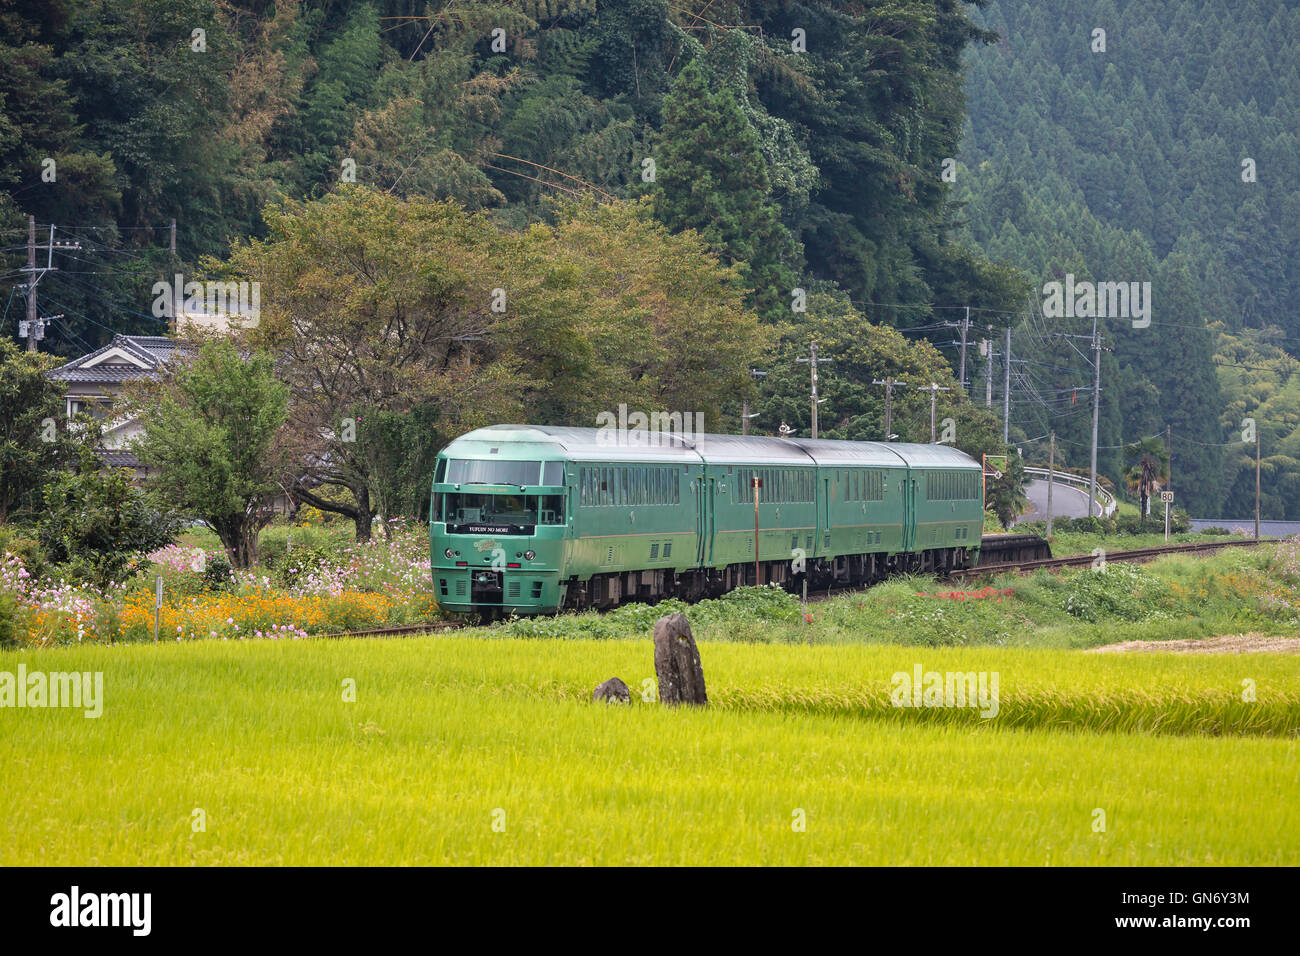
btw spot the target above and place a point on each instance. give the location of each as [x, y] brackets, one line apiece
[553, 473]
[952, 486]
[552, 510]
[469, 472]
[440, 471]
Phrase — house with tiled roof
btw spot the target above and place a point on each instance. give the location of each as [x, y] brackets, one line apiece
[93, 382]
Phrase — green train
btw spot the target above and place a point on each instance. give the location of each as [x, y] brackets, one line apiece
[529, 519]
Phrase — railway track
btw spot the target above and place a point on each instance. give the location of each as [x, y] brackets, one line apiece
[1135, 555]
[399, 631]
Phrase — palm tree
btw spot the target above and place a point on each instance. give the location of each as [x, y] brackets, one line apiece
[1148, 471]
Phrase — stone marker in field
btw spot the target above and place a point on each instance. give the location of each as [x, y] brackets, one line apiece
[677, 662]
[612, 690]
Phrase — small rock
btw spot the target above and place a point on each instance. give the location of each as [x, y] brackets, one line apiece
[677, 662]
[612, 690]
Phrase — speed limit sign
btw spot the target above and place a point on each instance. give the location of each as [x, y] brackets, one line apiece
[1166, 496]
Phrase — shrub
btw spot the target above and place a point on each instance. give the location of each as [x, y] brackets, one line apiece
[13, 624]
[216, 574]
[1116, 592]
[26, 548]
[96, 522]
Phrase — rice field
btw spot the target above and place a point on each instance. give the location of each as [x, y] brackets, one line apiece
[487, 750]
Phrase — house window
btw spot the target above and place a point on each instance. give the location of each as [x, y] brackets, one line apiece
[95, 408]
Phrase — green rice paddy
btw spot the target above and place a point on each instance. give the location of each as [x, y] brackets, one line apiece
[487, 750]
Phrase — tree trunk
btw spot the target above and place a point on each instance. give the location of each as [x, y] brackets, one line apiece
[247, 548]
[364, 516]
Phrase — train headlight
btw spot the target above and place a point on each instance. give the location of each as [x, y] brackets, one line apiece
[529, 555]
[448, 552]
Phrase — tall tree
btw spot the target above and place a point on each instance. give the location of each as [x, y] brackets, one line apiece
[711, 177]
[214, 439]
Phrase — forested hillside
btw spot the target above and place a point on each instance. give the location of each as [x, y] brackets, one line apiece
[811, 146]
[802, 142]
[1165, 151]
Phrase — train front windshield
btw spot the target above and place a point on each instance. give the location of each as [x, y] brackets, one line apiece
[518, 510]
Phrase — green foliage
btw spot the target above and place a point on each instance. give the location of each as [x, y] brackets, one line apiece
[96, 524]
[862, 354]
[711, 178]
[32, 446]
[13, 620]
[741, 613]
[1142, 151]
[216, 574]
[1124, 592]
[596, 307]
[213, 438]
[1005, 496]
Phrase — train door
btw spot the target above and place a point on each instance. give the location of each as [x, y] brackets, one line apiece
[908, 483]
[703, 540]
[710, 515]
[824, 517]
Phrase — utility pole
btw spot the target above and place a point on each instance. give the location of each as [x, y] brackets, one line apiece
[934, 389]
[1006, 391]
[812, 363]
[173, 244]
[889, 384]
[1257, 482]
[986, 348]
[1051, 475]
[745, 416]
[33, 322]
[34, 326]
[1169, 454]
[964, 326]
[1096, 405]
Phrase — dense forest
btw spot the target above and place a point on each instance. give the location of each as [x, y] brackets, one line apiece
[1165, 150]
[869, 172]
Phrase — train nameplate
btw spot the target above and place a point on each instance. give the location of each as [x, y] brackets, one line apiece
[489, 529]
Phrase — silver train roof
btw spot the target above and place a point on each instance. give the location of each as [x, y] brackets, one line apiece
[595, 444]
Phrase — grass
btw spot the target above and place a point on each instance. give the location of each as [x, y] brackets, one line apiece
[448, 735]
[1066, 543]
[1234, 591]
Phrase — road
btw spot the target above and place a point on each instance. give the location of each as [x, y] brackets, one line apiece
[1067, 501]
